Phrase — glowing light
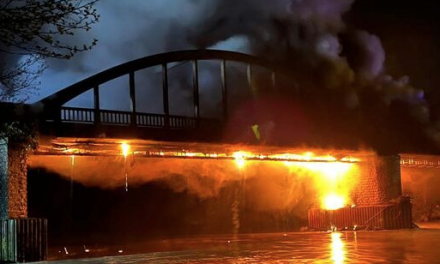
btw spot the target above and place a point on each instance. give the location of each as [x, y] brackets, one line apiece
[240, 158]
[338, 248]
[333, 202]
[126, 182]
[263, 157]
[125, 149]
[350, 159]
[308, 156]
[330, 178]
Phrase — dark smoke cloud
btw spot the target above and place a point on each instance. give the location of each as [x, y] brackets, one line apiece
[310, 38]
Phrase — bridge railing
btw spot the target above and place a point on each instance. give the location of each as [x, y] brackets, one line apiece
[124, 118]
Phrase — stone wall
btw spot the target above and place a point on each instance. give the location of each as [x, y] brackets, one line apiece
[17, 183]
[379, 181]
[13, 182]
[3, 179]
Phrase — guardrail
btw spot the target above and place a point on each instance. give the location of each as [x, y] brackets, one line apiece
[122, 118]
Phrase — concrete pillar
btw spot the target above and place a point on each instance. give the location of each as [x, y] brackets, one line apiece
[13, 181]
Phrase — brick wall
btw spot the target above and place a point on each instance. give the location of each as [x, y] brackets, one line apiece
[379, 181]
[3, 179]
[13, 182]
[17, 183]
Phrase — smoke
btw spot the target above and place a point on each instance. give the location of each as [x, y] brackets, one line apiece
[372, 56]
[263, 186]
[325, 56]
[420, 184]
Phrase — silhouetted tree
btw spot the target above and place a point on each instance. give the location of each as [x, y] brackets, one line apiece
[32, 30]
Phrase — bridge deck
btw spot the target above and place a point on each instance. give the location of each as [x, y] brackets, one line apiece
[160, 149]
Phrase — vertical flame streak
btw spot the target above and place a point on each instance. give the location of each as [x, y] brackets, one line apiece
[125, 149]
[126, 182]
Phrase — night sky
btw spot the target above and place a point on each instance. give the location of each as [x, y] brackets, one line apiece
[410, 33]
[402, 33]
[408, 29]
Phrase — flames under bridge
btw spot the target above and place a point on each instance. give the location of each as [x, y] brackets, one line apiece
[173, 105]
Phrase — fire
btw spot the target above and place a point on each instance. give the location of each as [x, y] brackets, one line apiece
[125, 149]
[333, 202]
[240, 158]
[330, 177]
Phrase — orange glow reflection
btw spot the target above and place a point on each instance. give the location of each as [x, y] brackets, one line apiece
[338, 248]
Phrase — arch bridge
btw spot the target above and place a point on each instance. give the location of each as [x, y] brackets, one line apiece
[60, 120]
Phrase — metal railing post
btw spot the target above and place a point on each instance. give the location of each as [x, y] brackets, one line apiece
[133, 99]
[96, 101]
[166, 104]
[196, 92]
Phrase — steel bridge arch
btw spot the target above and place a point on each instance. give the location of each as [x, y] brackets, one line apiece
[65, 95]
[54, 111]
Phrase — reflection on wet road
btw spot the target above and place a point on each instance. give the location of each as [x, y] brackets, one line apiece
[404, 246]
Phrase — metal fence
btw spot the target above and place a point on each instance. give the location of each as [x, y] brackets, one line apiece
[391, 216]
[23, 240]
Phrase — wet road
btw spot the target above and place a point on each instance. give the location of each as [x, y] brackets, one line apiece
[404, 246]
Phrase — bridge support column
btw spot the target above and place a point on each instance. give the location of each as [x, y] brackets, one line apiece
[13, 182]
[22, 239]
[380, 181]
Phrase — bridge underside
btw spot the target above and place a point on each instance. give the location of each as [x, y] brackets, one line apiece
[67, 146]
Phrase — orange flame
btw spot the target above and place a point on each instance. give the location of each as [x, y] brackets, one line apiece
[125, 149]
[333, 202]
[240, 158]
[331, 179]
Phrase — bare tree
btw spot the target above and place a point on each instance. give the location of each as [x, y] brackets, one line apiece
[32, 30]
